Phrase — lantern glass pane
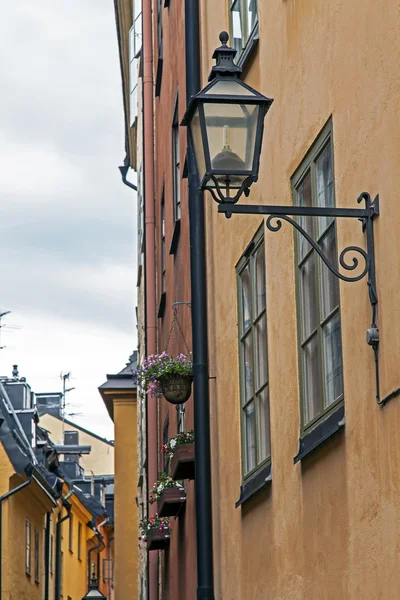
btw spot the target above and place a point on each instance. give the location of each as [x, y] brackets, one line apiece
[231, 131]
[198, 144]
[229, 87]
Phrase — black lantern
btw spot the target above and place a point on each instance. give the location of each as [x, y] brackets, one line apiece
[226, 122]
[94, 592]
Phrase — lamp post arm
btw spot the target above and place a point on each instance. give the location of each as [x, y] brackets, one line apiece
[277, 214]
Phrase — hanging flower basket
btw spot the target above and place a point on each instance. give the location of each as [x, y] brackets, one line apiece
[163, 375]
[176, 388]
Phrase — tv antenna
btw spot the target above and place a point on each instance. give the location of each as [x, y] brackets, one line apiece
[3, 313]
[64, 378]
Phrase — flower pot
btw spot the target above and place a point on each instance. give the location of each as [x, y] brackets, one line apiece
[176, 388]
[171, 501]
[158, 539]
[182, 462]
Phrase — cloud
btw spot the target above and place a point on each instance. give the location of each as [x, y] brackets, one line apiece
[67, 232]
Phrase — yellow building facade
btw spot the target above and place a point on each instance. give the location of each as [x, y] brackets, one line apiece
[120, 397]
[76, 539]
[324, 527]
[23, 534]
[100, 461]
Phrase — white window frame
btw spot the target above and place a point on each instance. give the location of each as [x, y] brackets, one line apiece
[253, 390]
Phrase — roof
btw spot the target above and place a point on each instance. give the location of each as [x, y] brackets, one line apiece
[95, 435]
[123, 380]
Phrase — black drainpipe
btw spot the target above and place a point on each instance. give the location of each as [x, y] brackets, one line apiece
[203, 498]
[2, 498]
[100, 538]
[58, 549]
[47, 557]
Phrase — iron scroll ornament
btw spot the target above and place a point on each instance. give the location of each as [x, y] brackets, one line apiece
[366, 216]
[317, 248]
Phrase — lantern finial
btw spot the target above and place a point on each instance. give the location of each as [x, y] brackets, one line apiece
[224, 37]
[224, 56]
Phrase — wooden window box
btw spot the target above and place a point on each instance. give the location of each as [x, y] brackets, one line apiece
[182, 462]
[170, 502]
[158, 539]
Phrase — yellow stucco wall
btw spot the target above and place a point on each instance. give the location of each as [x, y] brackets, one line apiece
[125, 508]
[75, 567]
[326, 529]
[101, 458]
[30, 503]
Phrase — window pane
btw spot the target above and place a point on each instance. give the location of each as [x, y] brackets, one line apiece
[263, 425]
[249, 418]
[252, 6]
[176, 172]
[304, 198]
[246, 298]
[261, 348]
[313, 384]
[333, 360]
[325, 192]
[329, 281]
[309, 306]
[248, 366]
[260, 280]
[237, 26]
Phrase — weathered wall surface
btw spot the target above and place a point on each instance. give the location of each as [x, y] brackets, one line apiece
[326, 528]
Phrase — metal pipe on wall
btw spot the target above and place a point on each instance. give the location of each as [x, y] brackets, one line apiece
[150, 260]
[58, 550]
[47, 557]
[198, 278]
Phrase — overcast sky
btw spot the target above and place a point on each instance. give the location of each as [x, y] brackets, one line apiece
[67, 222]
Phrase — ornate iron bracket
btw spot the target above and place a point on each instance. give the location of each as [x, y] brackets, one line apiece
[277, 214]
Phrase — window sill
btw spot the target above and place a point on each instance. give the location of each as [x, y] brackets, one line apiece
[175, 237]
[254, 484]
[161, 306]
[249, 49]
[323, 431]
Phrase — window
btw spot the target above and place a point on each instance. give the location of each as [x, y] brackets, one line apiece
[140, 223]
[165, 441]
[160, 48]
[176, 166]
[320, 346]
[71, 533]
[243, 23]
[51, 554]
[253, 356]
[28, 546]
[133, 79]
[36, 556]
[163, 262]
[181, 418]
[79, 541]
[108, 569]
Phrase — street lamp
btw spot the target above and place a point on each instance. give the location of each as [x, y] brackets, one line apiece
[226, 121]
[94, 592]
